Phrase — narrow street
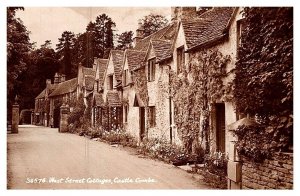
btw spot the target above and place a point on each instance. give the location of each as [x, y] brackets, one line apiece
[42, 158]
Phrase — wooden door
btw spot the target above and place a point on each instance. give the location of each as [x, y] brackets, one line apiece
[56, 117]
[220, 127]
[142, 122]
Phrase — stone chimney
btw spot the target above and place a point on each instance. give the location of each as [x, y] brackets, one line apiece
[80, 75]
[139, 33]
[48, 82]
[62, 77]
[181, 13]
[56, 78]
[95, 63]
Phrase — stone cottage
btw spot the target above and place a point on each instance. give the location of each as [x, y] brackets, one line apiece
[112, 111]
[215, 30]
[100, 66]
[65, 92]
[42, 105]
[132, 101]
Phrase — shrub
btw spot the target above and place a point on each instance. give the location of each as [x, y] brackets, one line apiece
[216, 163]
[162, 149]
[77, 113]
[119, 136]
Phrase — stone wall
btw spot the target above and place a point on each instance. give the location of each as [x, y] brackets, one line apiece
[271, 174]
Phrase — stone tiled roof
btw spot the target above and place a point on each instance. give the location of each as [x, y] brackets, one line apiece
[98, 100]
[89, 82]
[88, 71]
[208, 27]
[118, 59]
[166, 33]
[135, 59]
[43, 93]
[102, 66]
[113, 99]
[65, 87]
[162, 49]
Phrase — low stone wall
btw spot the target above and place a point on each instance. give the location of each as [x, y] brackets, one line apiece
[271, 174]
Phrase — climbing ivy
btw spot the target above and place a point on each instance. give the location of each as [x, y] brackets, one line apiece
[264, 69]
[140, 85]
[264, 80]
[194, 90]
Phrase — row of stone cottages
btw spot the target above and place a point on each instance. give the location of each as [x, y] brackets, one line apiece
[129, 83]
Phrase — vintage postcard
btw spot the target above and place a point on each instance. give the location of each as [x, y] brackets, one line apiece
[172, 97]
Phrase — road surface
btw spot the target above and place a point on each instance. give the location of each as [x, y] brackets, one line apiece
[42, 158]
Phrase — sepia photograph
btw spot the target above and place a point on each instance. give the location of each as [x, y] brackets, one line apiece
[178, 97]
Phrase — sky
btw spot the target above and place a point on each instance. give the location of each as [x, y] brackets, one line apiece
[48, 23]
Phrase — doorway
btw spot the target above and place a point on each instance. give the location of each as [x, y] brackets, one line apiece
[56, 117]
[220, 127]
[142, 122]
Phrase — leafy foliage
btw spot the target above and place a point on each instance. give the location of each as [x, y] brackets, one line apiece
[76, 116]
[216, 163]
[18, 47]
[42, 65]
[193, 90]
[265, 64]
[64, 49]
[125, 40]
[264, 81]
[258, 142]
[152, 23]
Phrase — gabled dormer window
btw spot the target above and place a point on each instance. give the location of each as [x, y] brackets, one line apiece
[151, 69]
[180, 59]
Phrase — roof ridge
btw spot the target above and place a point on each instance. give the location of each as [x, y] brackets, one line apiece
[161, 40]
[168, 26]
[133, 50]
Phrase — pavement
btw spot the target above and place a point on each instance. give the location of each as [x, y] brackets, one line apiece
[42, 158]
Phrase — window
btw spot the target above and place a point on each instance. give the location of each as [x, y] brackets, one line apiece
[151, 70]
[152, 116]
[110, 82]
[180, 59]
[97, 87]
[125, 77]
[239, 30]
[126, 113]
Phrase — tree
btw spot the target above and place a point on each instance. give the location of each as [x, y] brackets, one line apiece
[47, 44]
[125, 40]
[94, 42]
[42, 65]
[152, 23]
[18, 46]
[64, 50]
[103, 35]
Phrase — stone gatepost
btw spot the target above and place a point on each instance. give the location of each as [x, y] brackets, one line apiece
[32, 118]
[64, 113]
[234, 168]
[15, 118]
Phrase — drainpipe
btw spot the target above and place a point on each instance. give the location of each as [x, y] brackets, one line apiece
[170, 108]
